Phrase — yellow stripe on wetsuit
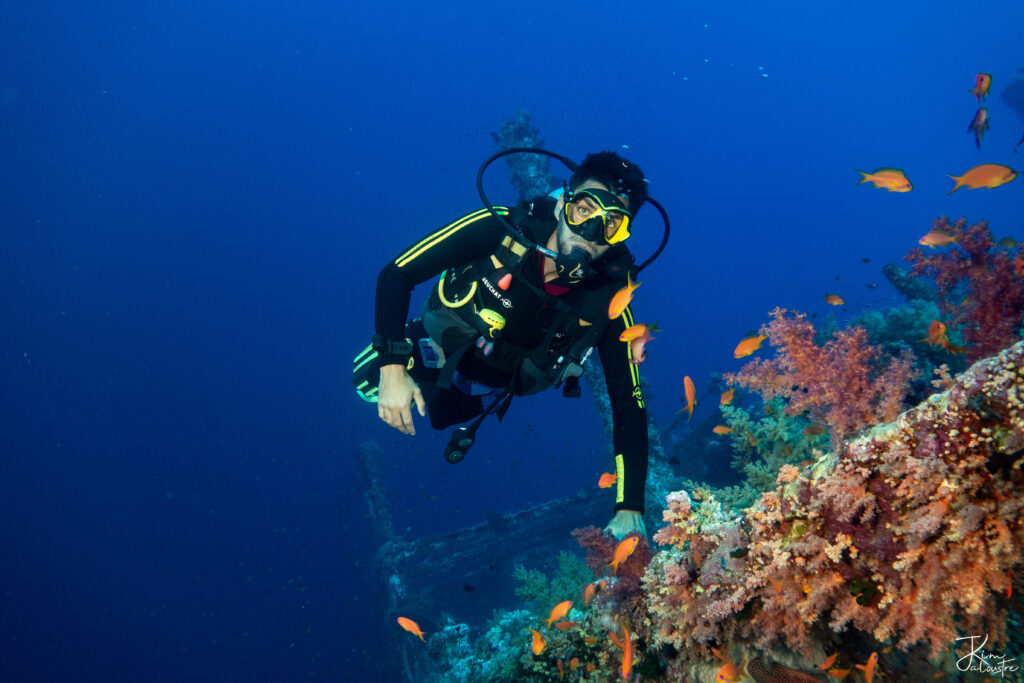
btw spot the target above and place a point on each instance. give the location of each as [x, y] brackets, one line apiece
[440, 235]
[620, 471]
[634, 368]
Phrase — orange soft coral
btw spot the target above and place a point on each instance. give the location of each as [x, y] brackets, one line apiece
[845, 382]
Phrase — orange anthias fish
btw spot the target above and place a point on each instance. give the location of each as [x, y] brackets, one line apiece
[607, 480]
[891, 179]
[982, 83]
[623, 551]
[637, 345]
[727, 397]
[622, 298]
[869, 668]
[566, 625]
[636, 331]
[936, 334]
[728, 673]
[691, 396]
[748, 346]
[813, 429]
[722, 429]
[936, 238]
[412, 627]
[986, 175]
[829, 661]
[627, 653]
[839, 673]
[538, 642]
[978, 125]
[834, 299]
[559, 611]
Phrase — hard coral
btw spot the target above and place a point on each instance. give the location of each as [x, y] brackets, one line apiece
[844, 383]
[907, 534]
[981, 291]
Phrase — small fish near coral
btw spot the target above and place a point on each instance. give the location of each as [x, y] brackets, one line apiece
[749, 345]
[412, 627]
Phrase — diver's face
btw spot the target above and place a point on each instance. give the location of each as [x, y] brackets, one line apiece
[567, 239]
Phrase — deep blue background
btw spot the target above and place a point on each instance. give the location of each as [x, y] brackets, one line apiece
[195, 201]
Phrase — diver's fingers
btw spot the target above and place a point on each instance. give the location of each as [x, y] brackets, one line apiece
[405, 420]
[421, 405]
[396, 417]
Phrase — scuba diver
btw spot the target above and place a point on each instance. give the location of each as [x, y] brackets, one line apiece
[521, 301]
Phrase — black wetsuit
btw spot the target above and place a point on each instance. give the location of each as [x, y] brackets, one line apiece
[474, 237]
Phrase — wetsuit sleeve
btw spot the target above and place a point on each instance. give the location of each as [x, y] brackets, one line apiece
[462, 241]
[629, 415]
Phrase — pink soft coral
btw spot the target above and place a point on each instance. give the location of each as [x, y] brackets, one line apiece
[907, 533]
[844, 382]
[981, 291]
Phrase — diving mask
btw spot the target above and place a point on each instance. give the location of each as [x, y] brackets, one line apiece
[596, 215]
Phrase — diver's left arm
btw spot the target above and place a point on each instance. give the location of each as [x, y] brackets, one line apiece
[629, 426]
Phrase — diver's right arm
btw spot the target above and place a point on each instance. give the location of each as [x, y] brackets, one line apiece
[395, 395]
[462, 241]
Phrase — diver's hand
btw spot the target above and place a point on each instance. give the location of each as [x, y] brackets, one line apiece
[626, 522]
[395, 395]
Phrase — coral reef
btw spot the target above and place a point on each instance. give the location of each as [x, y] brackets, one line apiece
[907, 534]
[843, 383]
[981, 292]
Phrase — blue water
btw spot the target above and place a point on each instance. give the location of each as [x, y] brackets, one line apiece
[195, 201]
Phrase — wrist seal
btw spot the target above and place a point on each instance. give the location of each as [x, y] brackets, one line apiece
[391, 351]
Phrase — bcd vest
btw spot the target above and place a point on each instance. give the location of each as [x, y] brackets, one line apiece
[472, 307]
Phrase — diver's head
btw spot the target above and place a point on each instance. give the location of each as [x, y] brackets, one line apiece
[597, 208]
[616, 174]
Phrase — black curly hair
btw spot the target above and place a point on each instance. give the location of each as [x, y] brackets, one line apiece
[619, 175]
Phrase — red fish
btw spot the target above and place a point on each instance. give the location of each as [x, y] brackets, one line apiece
[829, 661]
[722, 429]
[623, 551]
[412, 627]
[607, 480]
[834, 299]
[982, 84]
[727, 397]
[978, 125]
